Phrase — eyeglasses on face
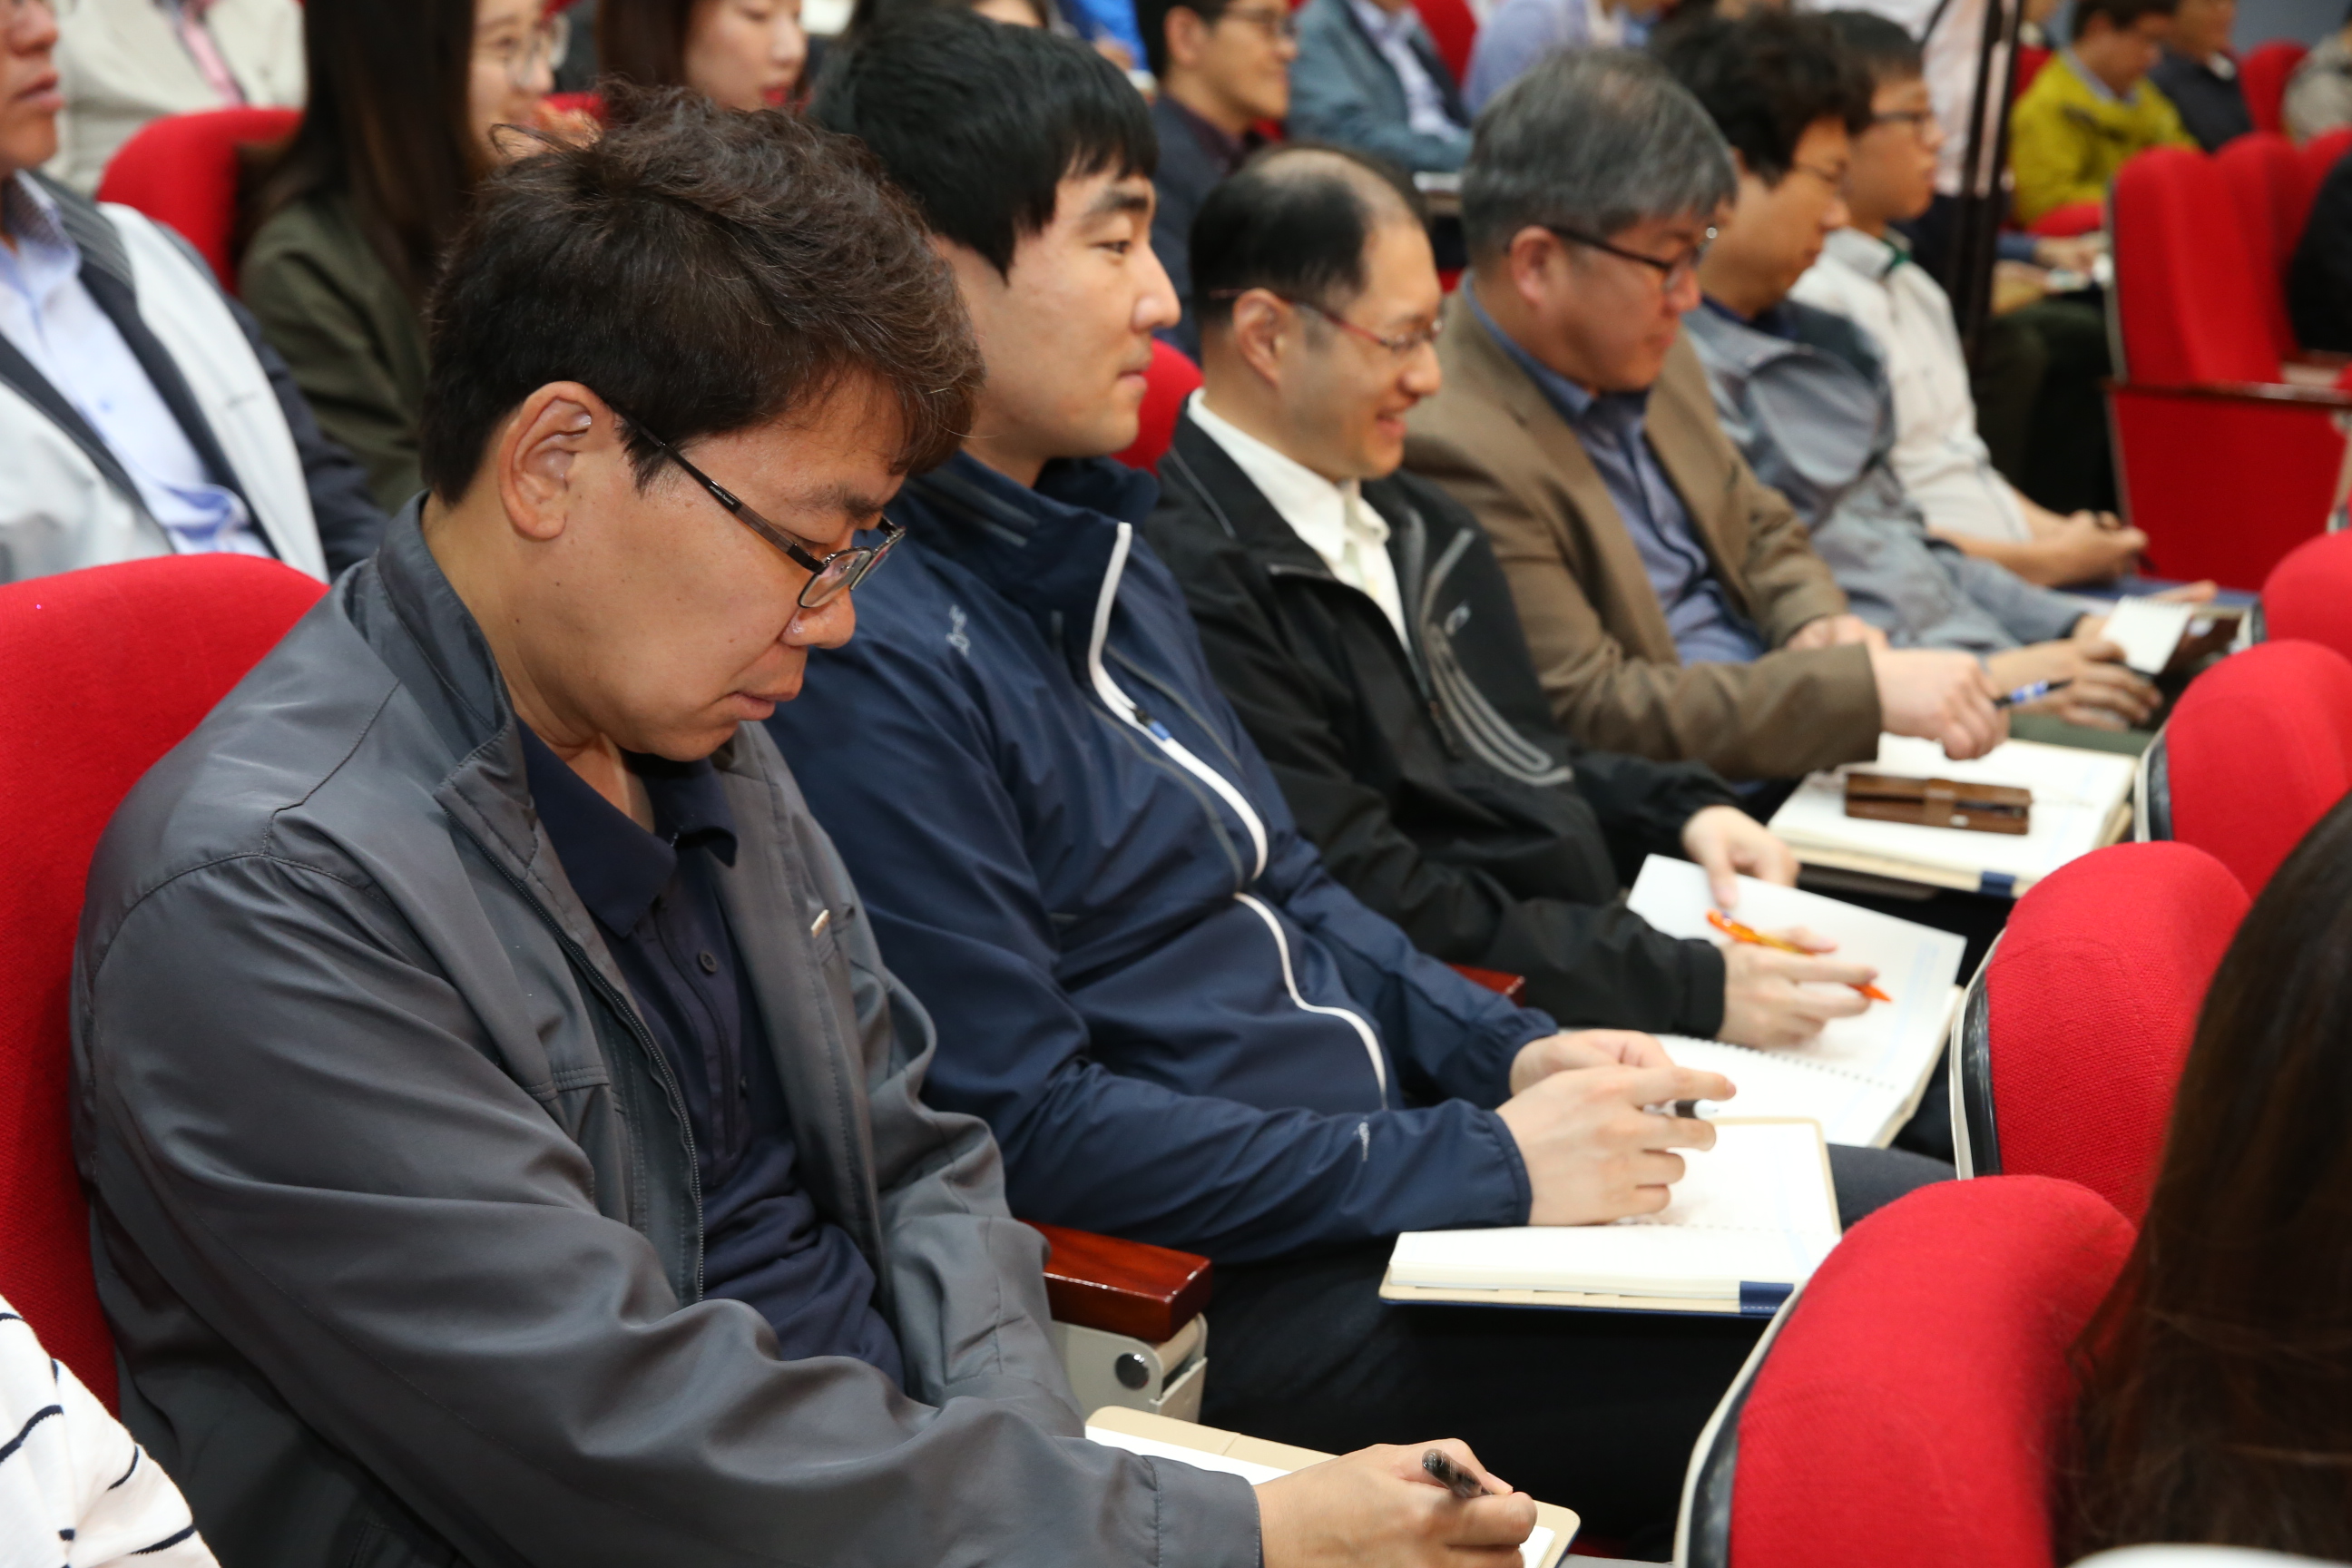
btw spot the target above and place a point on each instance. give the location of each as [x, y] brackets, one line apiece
[1918, 120]
[1276, 23]
[1672, 274]
[830, 576]
[1401, 346]
[522, 55]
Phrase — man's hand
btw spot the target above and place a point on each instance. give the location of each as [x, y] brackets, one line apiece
[2072, 253]
[1377, 1508]
[1773, 999]
[1835, 631]
[1727, 842]
[2105, 693]
[1592, 1152]
[1938, 696]
[2090, 547]
[1564, 1052]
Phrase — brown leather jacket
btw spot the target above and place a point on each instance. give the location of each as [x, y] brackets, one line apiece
[1594, 622]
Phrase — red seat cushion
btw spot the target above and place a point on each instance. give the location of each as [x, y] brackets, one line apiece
[2093, 997]
[182, 171]
[2257, 750]
[1172, 378]
[1908, 1410]
[2308, 596]
[108, 669]
[2262, 76]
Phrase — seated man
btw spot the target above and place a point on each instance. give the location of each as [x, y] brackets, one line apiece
[1357, 621]
[125, 62]
[1866, 274]
[1518, 33]
[2198, 75]
[1673, 602]
[2093, 107]
[140, 410]
[1181, 1028]
[1367, 77]
[1224, 66]
[504, 1136]
[1804, 393]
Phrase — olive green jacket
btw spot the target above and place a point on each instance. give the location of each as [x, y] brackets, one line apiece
[354, 337]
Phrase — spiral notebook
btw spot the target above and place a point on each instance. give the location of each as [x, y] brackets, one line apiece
[1860, 1078]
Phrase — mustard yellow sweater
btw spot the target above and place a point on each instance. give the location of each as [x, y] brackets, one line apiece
[2067, 138]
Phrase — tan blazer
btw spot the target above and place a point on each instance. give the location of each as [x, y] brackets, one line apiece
[121, 65]
[1594, 622]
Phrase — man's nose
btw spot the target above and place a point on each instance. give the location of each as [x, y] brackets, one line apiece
[830, 625]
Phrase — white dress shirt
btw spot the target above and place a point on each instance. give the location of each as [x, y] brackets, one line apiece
[1351, 538]
[52, 321]
[1938, 456]
[1424, 102]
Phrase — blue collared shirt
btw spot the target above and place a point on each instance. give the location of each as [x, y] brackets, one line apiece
[654, 898]
[1706, 629]
[1392, 33]
[61, 332]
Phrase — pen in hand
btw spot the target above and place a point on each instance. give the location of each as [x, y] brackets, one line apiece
[1451, 1475]
[2033, 693]
[1753, 938]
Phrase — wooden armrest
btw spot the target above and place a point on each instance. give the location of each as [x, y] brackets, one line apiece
[1494, 980]
[1122, 1287]
[2275, 393]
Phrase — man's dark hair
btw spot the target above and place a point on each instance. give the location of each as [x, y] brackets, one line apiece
[1151, 17]
[980, 122]
[1886, 52]
[704, 271]
[1294, 220]
[2120, 14]
[1766, 79]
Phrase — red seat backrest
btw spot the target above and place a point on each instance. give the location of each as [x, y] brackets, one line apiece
[2266, 179]
[1453, 29]
[1172, 378]
[2257, 750]
[2308, 596]
[1909, 1409]
[182, 171]
[108, 669]
[2186, 284]
[2091, 999]
[2262, 76]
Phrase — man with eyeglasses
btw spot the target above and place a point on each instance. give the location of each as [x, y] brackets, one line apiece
[1673, 602]
[1224, 69]
[140, 412]
[126, 62]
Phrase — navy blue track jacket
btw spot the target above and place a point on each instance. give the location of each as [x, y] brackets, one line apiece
[1180, 1029]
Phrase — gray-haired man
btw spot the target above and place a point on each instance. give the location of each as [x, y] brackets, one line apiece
[1674, 602]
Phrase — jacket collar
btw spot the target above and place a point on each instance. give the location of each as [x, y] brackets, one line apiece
[1874, 257]
[1194, 461]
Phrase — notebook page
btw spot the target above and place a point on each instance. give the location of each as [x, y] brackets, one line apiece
[1891, 1043]
[1850, 1110]
[1755, 1209]
[1532, 1551]
[2148, 631]
[2075, 793]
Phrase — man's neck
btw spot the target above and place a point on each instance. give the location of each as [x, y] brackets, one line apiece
[1189, 90]
[1239, 397]
[7, 235]
[1875, 225]
[1011, 458]
[1735, 290]
[1512, 319]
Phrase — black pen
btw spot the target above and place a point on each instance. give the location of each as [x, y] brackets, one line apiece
[1451, 1475]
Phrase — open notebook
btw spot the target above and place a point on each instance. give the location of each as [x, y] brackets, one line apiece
[2079, 803]
[1254, 1461]
[1750, 1221]
[1860, 1078]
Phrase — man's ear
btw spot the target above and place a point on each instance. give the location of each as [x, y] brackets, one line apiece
[1255, 330]
[1185, 34]
[1535, 255]
[538, 450]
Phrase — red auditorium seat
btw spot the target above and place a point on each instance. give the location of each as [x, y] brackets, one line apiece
[2257, 750]
[1172, 378]
[2226, 466]
[182, 171]
[2030, 58]
[2090, 999]
[2309, 594]
[108, 669]
[2266, 179]
[1907, 1407]
[2073, 218]
[1453, 29]
[2262, 76]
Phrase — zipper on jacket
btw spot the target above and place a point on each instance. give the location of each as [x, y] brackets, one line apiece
[613, 997]
[1290, 984]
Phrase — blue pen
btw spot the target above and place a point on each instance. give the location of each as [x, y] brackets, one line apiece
[2033, 693]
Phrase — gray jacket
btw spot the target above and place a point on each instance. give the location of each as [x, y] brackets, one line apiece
[1343, 89]
[396, 1209]
[1814, 415]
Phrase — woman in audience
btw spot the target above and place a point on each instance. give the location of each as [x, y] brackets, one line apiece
[405, 103]
[2217, 1403]
[743, 54]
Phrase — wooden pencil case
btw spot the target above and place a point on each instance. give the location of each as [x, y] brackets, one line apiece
[1939, 803]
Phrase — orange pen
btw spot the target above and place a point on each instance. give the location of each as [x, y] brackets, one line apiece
[1754, 938]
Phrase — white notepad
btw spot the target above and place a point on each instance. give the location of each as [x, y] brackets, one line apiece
[1860, 1078]
[2077, 795]
[1534, 1551]
[1750, 1221]
[2148, 631]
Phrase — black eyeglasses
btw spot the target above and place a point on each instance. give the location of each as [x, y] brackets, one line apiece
[830, 576]
[1672, 275]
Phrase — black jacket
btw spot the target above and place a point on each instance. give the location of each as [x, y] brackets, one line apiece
[2212, 106]
[2320, 279]
[1433, 779]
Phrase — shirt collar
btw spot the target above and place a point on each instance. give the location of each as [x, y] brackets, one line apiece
[1227, 148]
[617, 867]
[45, 255]
[1318, 512]
[2099, 90]
[1620, 411]
[1775, 321]
[1867, 253]
[1385, 27]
